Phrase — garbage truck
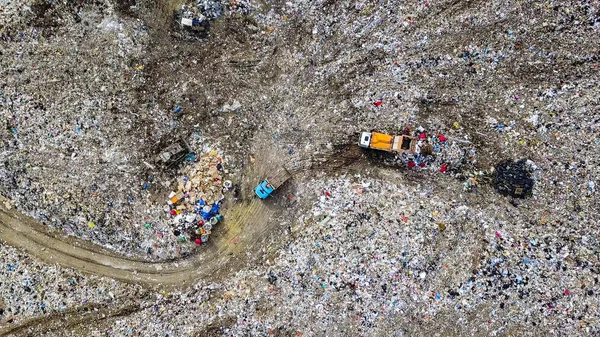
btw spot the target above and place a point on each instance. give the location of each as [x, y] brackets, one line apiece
[381, 141]
[272, 182]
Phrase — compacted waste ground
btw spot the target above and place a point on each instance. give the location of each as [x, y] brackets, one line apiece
[356, 243]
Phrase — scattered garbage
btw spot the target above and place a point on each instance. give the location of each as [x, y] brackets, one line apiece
[196, 204]
[23, 295]
[198, 11]
[89, 97]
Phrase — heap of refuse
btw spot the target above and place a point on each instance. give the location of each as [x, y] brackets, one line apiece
[514, 178]
[196, 204]
[205, 10]
[436, 152]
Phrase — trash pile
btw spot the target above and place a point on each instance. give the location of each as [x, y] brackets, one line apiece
[473, 178]
[200, 11]
[195, 205]
[513, 178]
[436, 152]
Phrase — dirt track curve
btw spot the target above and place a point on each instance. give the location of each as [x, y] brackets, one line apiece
[212, 262]
[221, 256]
[26, 233]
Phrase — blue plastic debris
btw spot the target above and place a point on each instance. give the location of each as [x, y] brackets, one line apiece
[177, 109]
[215, 209]
[205, 215]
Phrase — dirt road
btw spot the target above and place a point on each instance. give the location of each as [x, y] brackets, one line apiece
[223, 255]
[239, 237]
[242, 235]
[23, 232]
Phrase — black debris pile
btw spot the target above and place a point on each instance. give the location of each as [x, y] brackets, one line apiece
[513, 178]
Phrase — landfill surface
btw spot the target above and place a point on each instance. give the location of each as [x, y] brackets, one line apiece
[135, 132]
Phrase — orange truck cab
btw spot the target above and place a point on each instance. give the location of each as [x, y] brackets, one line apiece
[381, 141]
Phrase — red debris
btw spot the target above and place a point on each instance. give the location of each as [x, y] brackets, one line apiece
[327, 194]
[422, 135]
[444, 168]
[411, 164]
[498, 235]
[442, 138]
[378, 103]
[567, 292]
[198, 241]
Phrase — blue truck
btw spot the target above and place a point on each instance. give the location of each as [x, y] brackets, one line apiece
[273, 182]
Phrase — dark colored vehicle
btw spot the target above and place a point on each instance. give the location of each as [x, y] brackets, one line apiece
[174, 153]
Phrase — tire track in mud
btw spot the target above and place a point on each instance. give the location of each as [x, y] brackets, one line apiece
[227, 249]
[27, 234]
[219, 258]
